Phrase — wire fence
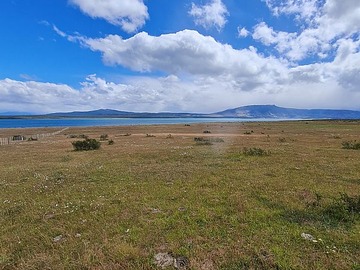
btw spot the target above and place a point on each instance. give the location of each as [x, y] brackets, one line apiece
[35, 137]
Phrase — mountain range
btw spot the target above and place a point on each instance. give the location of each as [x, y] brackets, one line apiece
[248, 112]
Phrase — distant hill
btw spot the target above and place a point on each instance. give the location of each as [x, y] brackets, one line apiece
[248, 112]
[275, 112]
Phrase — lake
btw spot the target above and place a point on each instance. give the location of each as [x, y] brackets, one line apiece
[84, 122]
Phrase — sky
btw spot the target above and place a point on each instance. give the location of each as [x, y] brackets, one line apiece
[178, 55]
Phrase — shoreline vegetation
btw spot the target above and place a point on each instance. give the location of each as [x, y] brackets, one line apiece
[245, 195]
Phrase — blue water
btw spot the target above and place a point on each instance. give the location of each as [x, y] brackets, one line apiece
[85, 122]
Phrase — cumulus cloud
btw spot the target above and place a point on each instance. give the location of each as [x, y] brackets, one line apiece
[303, 9]
[243, 32]
[130, 15]
[210, 15]
[188, 52]
[326, 22]
[208, 77]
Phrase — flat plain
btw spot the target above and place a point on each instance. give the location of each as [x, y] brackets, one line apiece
[269, 195]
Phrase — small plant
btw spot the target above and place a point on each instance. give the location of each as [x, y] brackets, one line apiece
[32, 139]
[169, 136]
[110, 142]
[150, 135]
[255, 152]
[104, 137]
[81, 136]
[247, 132]
[351, 145]
[86, 145]
[187, 125]
[282, 139]
[211, 140]
[207, 131]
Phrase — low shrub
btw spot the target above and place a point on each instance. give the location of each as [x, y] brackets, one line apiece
[110, 142]
[255, 152]
[351, 145]
[206, 131]
[211, 140]
[104, 137]
[80, 136]
[86, 145]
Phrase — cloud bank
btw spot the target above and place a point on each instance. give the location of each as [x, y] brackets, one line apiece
[315, 67]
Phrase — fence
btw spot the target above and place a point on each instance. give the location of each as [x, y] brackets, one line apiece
[19, 138]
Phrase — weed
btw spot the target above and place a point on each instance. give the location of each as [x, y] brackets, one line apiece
[80, 136]
[150, 135]
[110, 142]
[351, 145]
[207, 131]
[104, 137]
[88, 144]
[282, 139]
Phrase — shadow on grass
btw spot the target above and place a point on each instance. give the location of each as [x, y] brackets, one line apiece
[340, 211]
[261, 260]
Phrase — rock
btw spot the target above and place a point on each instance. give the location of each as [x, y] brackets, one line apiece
[155, 211]
[164, 260]
[181, 262]
[309, 237]
[58, 238]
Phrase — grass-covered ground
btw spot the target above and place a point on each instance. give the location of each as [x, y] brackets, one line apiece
[208, 200]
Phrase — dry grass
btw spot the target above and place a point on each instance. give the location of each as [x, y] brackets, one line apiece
[118, 206]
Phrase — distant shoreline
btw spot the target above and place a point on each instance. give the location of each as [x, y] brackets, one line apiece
[102, 122]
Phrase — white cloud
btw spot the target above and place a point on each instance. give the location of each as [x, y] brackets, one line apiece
[325, 22]
[303, 9]
[210, 15]
[188, 52]
[130, 15]
[243, 32]
[202, 75]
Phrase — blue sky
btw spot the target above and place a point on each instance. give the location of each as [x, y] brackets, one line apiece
[179, 55]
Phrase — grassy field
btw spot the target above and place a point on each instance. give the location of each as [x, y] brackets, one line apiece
[208, 200]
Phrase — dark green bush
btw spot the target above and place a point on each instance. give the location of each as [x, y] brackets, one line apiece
[351, 145]
[86, 145]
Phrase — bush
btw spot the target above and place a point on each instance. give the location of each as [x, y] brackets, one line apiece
[110, 142]
[86, 145]
[255, 152]
[207, 131]
[210, 140]
[82, 136]
[351, 145]
[104, 137]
